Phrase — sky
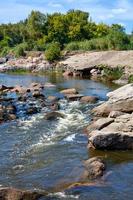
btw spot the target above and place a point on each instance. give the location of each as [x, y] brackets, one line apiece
[107, 11]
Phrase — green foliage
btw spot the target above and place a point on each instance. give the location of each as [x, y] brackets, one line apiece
[5, 51]
[53, 52]
[112, 74]
[19, 51]
[75, 30]
[130, 79]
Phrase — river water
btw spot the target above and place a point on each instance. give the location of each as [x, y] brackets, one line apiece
[40, 155]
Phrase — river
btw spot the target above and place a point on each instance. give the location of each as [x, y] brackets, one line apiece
[40, 155]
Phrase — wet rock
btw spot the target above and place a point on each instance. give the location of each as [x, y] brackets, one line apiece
[69, 91]
[19, 89]
[89, 99]
[3, 87]
[38, 94]
[95, 167]
[54, 115]
[32, 110]
[37, 85]
[11, 117]
[11, 109]
[15, 194]
[68, 73]
[52, 98]
[55, 107]
[74, 97]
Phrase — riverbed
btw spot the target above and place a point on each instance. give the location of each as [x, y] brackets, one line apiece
[39, 155]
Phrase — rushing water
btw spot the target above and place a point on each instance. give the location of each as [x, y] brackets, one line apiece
[36, 154]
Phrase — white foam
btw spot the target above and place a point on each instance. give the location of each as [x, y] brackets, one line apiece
[63, 195]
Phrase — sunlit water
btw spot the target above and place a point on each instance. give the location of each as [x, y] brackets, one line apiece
[42, 155]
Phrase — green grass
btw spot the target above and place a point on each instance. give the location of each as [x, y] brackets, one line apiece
[130, 79]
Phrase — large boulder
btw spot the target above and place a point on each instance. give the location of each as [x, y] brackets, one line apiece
[117, 135]
[119, 100]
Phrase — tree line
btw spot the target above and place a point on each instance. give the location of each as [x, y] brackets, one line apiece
[74, 30]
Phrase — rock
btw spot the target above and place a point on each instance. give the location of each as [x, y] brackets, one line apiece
[54, 115]
[117, 135]
[37, 94]
[119, 100]
[52, 98]
[114, 114]
[99, 124]
[68, 73]
[74, 97]
[11, 117]
[3, 87]
[95, 167]
[89, 99]
[69, 91]
[19, 89]
[11, 109]
[55, 107]
[31, 111]
[15, 194]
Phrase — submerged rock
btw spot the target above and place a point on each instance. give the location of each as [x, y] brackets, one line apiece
[95, 167]
[74, 97]
[89, 99]
[54, 115]
[16, 194]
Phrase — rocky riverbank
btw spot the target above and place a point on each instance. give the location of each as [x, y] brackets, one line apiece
[111, 65]
[34, 63]
[112, 128]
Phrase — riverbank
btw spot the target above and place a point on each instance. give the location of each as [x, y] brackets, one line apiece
[110, 65]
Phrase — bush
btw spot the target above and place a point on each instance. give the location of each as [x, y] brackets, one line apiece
[5, 51]
[19, 51]
[88, 45]
[112, 74]
[130, 79]
[53, 52]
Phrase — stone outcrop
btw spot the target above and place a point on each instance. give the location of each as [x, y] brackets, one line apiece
[116, 130]
[119, 100]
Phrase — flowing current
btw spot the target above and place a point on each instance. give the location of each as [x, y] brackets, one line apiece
[48, 155]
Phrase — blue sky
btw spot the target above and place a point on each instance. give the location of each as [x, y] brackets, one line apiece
[108, 11]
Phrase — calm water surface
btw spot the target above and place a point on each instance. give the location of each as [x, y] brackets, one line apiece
[36, 154]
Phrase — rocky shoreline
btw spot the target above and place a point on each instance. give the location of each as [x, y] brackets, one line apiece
[113, 129]
[114, 66]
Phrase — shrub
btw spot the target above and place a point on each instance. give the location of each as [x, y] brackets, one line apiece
[53, 52]
[5, 51]
[19, 51]
[112, 74]
[130, 79]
